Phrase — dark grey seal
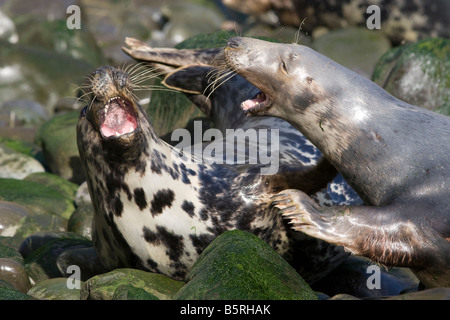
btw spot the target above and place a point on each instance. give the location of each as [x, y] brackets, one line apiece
[396, 156]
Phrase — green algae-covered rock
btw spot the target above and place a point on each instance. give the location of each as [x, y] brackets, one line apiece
[58, 140]
[110, 285]
[13, 294]
[49, 261]
[239, 265]
[418, 73]
[55, 289]
[37, 197]
[55, 182]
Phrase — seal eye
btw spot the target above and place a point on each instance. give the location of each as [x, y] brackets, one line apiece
[83, 113]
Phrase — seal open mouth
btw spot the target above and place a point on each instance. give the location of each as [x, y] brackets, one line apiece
[259, 102]
[118, 118]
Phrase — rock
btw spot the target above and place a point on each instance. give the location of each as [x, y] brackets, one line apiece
[14, 273]
[57, 138]
[8, 31]
[33, 224]
[80, 221]
[48, 260]
[17, 165]
[429, 294]
[183, 20]
[55, 289]
[354, 274]
[418, 74]
[239, 265]
[22, 112]
[13, 294]
[25, 147]
[39, 74]
[11, 215]
[82, 197]
[109, 285]
[358, 49]
[123, 18]
[10, 253]
[38, 198]
[55, 182]
[127, 292]
[39, 239]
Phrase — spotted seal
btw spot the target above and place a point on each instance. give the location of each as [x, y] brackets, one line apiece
[156, 210]
[395, 156]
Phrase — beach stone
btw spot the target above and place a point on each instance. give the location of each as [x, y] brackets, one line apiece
[17, 165]
[23, 113]
[39, 74]
[48, 262]
[358, 49]
[57, 138]
[55, 289]
[353, 275]
[14, 273]
[55, 182]
[183, 20]
[13, 294]
[80, 221]
[109, 285]
[11, 215]
[238, 265]
[127, 292]
[418, 73]
[8, 30]
[37, 197]
[6, 251]
[429, 294]
[82, 197]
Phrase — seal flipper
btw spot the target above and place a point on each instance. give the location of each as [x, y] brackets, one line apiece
[309, 179]
[379, 233]
[169, 56]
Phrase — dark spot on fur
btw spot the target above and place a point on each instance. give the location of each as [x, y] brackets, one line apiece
[188, 207]
[117, 206]
[152, 264]
[162, 199]
[309, 80]
[173, 242]
[200, 242]
[139, 197]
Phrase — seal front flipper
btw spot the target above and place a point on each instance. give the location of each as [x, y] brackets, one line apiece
[379, 233]
[168, 56]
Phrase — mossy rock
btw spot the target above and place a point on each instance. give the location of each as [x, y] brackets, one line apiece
[58, 140]
[13, 294]
[110, 285]
[418, 73]
[55, 182]
[47, 261]
[239, 265]
[38, 198]
[55, 289]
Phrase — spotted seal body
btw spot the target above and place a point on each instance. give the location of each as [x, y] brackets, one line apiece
[395, 156]
[156, 210]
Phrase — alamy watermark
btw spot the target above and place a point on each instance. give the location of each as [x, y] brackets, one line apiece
[74, 20]
[374, 21]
